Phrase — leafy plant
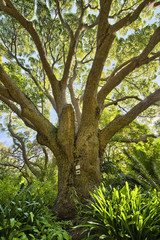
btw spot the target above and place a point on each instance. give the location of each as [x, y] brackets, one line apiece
[46, 230]
[46, 190]
[8, 188]
[144, 163]
[18, 214]
[123, 214]
[27, 217]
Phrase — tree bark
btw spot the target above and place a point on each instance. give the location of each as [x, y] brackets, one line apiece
[78, 165]
[76, 178]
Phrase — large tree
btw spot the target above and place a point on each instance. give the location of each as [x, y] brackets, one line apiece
[88, 60]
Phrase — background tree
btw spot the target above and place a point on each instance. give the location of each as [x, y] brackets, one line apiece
[25, 155]
[5, 171]
[83, 59]
[133, 155]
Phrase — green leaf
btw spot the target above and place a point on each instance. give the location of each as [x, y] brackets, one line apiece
[12, 222]
[31, 216]
[3, 238]
[66, 236]
[60, 236]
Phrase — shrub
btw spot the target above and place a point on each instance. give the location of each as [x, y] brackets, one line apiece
[26, 217]
[46, 190]
[123, 214]
[8, 190]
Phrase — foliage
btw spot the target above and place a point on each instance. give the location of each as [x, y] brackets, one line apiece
[25, 155]
[136, 162]
[143, 160]
[26, 216]
[77, 59]
[123, 214]
[9, 189]
[27, 69]
[113, 175]
[46, 190]
[115, 170]
[6, 171]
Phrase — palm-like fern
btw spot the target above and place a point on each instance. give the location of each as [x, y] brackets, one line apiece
[145, 165]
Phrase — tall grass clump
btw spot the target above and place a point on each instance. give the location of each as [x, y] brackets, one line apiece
[123, 214]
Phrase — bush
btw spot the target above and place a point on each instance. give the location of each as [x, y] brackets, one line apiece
[46, 190]
[123, 214]
[8, 190]
[26, 217]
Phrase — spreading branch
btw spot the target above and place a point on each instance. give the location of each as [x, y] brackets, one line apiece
[123, 120]
[11, 165]
[29, 111]
[16, 110]
[120, 100]
[125, 69]
[131, 17]
[64, 24]
[143, 139]
[21, 145]
[74, 37]
[11, 10]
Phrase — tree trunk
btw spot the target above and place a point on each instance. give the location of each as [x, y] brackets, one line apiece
[78, 170]
[64, 204]
[87, 171]
[74, 182]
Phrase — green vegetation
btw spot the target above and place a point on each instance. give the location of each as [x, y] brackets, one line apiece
[137, 163]
[123, 214]
[25, 213]
[79, 102]
[144, 163]
[117, 209]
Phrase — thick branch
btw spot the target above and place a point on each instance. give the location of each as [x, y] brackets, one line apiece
[10, 9]
[121, 121]
[90, 95]
[117, 76]
[72, 49]
[104, 43]
[103, 20]
[69, 61]
[74, 100]
[131, 17]
[144, 139]
[15, 109]
[30, 112]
